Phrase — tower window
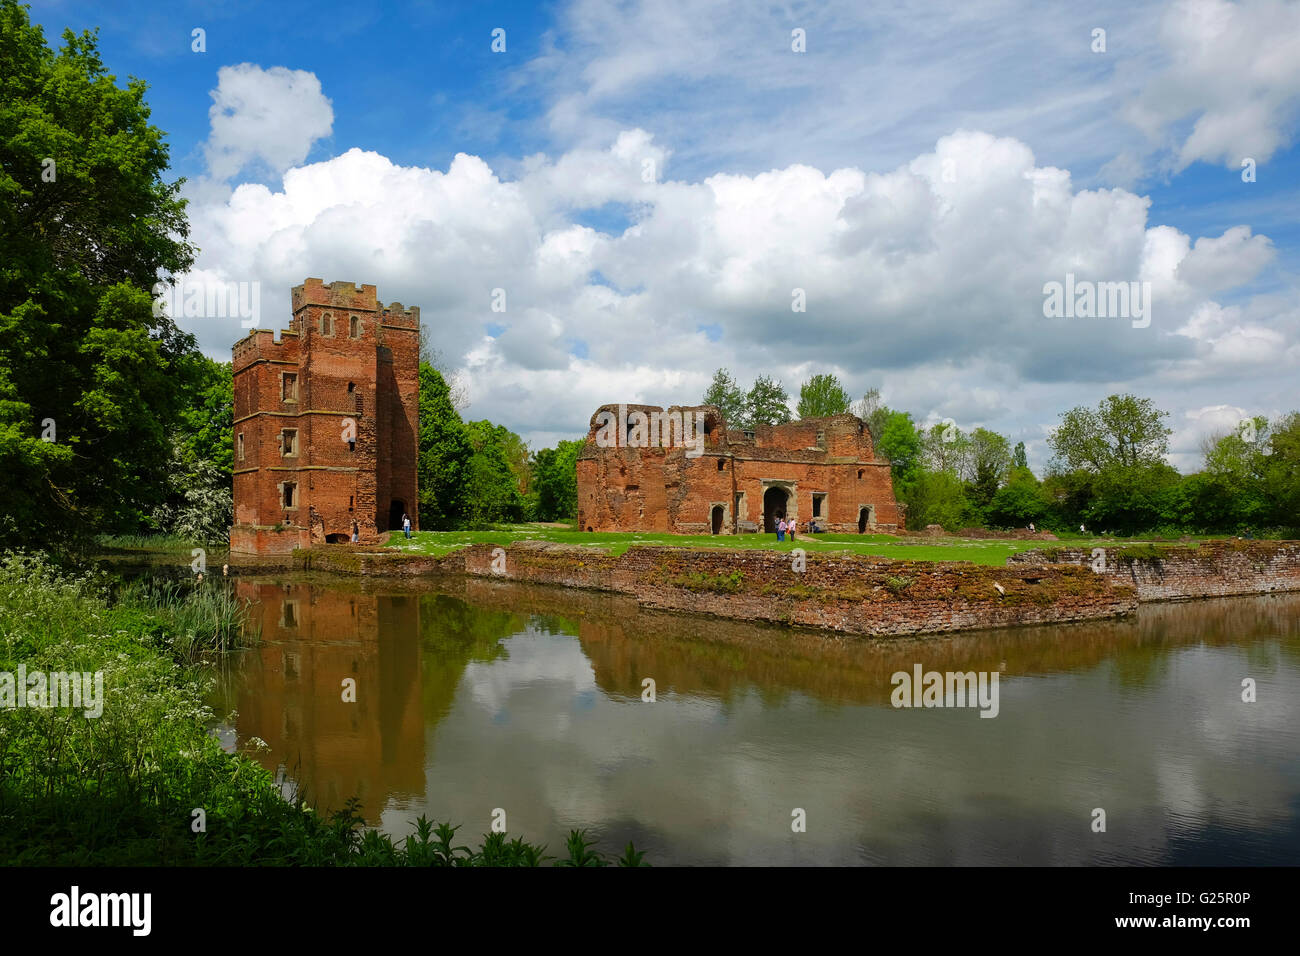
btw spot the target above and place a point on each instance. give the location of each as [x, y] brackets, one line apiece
[354, 327]
[861, 472]
[327, 323]
[290, 494]
[288, 387]
[239, 440]
[289, 442]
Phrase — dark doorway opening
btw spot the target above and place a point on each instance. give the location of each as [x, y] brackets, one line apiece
[336, 539]
[774, 502]
[716, 519]
[864, 517]
[395, 512]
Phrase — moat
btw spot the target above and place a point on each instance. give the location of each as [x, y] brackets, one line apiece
[490, 695]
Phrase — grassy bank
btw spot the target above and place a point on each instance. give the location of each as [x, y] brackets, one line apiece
[123, 788]
[985, 551]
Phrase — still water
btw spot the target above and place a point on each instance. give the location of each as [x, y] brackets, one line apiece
[491, 695]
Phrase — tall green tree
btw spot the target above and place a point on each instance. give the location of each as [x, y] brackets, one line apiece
[87, 225]
[725, 394]
[767, 403]
[555, 480]
[1018, 503]
[491, 486]
[822, 395]
[199, 504]
[935, 497]
[990, 463]
[444, 453]
[1124, 431]
[900, 442]
[1114, 457]
[945, 447]
[1282, 473]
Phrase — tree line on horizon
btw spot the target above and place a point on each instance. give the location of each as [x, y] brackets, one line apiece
[1109, 471]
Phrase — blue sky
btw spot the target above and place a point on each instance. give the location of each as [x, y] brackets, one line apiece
[908, 169]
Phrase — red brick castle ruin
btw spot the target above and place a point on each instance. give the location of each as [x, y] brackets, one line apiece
[326, 422]
[683, 471]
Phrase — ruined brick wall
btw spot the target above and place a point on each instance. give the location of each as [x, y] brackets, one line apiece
[821, 470]
[1214, 569]
[344, 436]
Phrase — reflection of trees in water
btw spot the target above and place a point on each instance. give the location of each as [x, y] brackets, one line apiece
[452, 634]
[555, 624]
[721, 659]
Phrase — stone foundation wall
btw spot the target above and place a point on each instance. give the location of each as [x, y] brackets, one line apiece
[843, 593]
[1183, 572]
[249, 539]
[859, 595]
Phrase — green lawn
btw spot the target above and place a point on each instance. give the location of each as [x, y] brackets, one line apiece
[979, 551]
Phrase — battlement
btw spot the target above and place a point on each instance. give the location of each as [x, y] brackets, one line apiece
[395, 314]
[341, 295]
[262, 344]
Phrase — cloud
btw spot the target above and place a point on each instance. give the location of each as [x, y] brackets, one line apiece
[1226, 262]
[262, 116]
[925, 278]
[1233, 73]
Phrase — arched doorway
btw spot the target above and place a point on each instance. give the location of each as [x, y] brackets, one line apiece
[395, 512]
[774, 503]
[336, 538]
[864, 519]
[715, 519]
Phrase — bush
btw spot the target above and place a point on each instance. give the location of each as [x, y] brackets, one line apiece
[121, 788]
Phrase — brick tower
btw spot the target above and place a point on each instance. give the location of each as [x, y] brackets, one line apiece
[326, 422]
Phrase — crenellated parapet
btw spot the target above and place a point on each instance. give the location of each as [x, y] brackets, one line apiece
[261, 345]
[339, 295]
[394, 315]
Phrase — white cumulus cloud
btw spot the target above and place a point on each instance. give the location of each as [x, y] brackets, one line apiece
[271, 116]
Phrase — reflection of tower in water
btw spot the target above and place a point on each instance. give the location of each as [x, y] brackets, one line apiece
[368, 742]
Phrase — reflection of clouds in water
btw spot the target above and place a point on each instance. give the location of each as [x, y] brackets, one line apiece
[700, 781]
[532, 659]
[1179, 791]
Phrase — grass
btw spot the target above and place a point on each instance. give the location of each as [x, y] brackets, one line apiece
[145, 542]
[201, 618]
[977, 550]
[123, 788]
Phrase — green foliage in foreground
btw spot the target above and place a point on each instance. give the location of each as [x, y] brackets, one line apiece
[121, 789]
